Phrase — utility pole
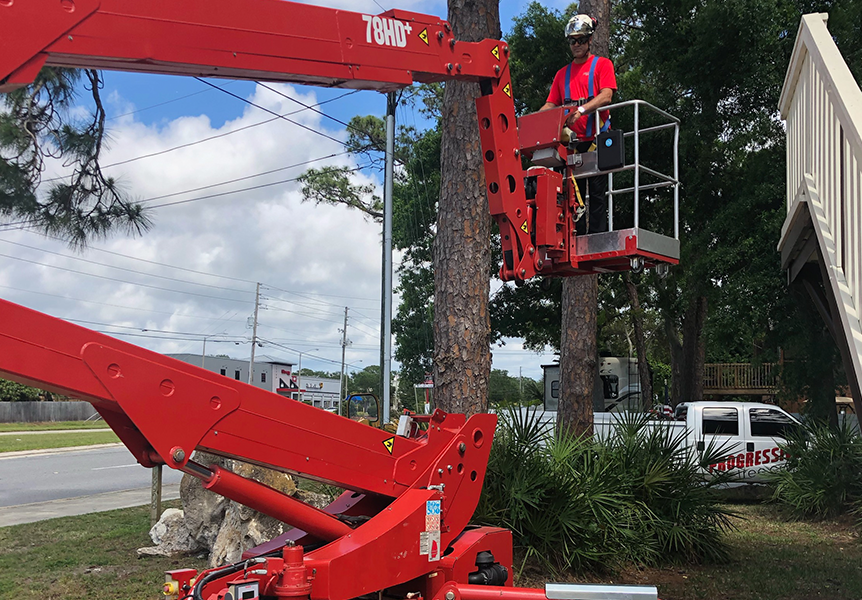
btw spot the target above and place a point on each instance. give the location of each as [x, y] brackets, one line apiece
[254, 335]
[343, 353]
[386, 292]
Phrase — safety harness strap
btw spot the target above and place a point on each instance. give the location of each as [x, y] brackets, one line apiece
[592, 94]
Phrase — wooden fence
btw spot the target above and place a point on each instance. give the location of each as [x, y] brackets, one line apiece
[29, 412]
[739, 379]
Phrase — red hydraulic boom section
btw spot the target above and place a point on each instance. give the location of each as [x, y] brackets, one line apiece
[274, 40]
[410, 495]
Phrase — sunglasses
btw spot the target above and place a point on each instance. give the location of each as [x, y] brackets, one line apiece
[578, 41]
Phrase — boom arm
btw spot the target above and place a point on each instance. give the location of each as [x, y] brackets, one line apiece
[163, 409]
[284, 41]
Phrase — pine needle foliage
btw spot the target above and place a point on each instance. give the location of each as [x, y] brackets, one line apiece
[823, 477]
[580, 503]
[37, 124]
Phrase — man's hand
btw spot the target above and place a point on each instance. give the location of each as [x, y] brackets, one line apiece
[573, 116]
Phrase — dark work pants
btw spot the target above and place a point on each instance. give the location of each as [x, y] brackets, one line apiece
[597, 205]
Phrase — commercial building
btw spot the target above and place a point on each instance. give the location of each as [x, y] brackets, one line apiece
[274, 376]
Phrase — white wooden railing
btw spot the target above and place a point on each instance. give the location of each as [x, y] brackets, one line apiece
[822, 105]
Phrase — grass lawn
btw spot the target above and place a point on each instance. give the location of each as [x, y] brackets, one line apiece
[48, 426]
[12, 443]
[772, 559]
[92, 557]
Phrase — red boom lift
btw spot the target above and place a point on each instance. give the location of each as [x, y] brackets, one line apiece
[402, 528]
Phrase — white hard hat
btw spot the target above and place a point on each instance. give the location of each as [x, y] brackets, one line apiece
[581, 25]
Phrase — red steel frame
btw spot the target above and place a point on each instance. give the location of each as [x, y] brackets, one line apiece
[274, 40]
[163, 409]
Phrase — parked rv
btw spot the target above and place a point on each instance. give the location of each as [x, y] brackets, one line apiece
[618, 385]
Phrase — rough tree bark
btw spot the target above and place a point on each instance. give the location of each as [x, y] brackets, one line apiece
[578, 352]
[644, 371]
[578, 355]
[462, 254]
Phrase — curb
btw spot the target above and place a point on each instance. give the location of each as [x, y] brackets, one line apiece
[48, 431]
[81, 505]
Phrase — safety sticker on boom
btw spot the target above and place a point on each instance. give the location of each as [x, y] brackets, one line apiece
[389, 444]
[525, 228]
[507, 89]
[429, 540]
[423, 35]
[496, 52]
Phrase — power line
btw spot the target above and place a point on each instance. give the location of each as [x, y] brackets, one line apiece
[126, 307]
[93, 262]
[159, 337]
[261, 174]
[283, 347]
[139, 110]
[145, 329]
[311, 108]
[247, 101]
[272, 287]
[214, 137]
[152, 262]
[196, 272]
[307, 316]
[248, 189]
[144, 285]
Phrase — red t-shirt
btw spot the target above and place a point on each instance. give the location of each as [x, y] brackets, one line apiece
[579, 78]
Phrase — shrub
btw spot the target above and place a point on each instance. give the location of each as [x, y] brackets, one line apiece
[823, 477]
[576, 503]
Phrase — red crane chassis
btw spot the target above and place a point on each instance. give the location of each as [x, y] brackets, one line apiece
[402, 528]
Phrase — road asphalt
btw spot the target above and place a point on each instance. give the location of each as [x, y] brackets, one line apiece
[79, 505]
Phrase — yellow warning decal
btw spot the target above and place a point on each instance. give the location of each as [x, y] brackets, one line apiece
[496, 52]
[508, 90]
[525, 229]
[423, 35]
[389, 444]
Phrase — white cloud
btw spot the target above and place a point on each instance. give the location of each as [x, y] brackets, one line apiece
[329, 255]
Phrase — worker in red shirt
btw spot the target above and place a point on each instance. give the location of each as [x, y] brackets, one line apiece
[588, 82]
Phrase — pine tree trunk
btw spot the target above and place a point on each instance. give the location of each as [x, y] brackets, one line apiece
[578, 353]
[601, 11]
[462, 253]
[644, 371]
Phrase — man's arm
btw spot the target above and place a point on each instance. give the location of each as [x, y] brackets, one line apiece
[603, 99]
[547, 105]
[606, 95]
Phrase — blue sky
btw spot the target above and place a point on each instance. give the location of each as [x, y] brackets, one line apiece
[194, 273]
